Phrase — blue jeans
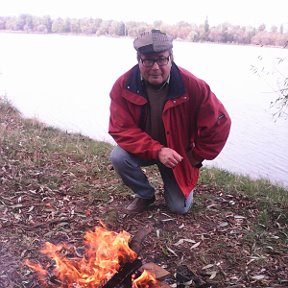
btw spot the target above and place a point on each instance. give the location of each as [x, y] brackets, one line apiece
[128, 166]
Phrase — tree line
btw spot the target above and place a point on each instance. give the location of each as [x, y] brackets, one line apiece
[222, 33]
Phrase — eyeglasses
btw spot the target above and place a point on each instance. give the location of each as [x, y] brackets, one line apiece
[148, 62]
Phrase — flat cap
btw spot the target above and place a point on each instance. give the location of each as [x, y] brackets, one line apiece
[152, 42]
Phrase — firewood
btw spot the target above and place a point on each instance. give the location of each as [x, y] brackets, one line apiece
[136, 242]
[125, 272]
[155, 269]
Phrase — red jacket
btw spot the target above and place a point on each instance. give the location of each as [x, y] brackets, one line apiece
[195, 121]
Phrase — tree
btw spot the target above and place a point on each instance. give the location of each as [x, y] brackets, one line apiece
[206, 26]
[276, 77]
[281, 102]
[58, 26]
[2, 23]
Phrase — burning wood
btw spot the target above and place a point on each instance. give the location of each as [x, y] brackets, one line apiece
[107, 262]
[125, 273]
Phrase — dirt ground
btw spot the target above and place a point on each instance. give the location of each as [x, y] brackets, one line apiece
[216, 240]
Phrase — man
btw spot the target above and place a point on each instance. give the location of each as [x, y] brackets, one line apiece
[162, 114]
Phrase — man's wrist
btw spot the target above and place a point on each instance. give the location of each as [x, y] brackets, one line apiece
[160, 150]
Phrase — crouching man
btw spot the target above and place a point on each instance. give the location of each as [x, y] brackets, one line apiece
[162, 114]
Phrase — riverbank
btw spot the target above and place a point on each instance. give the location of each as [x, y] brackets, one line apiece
[55, 186]
[71, 97]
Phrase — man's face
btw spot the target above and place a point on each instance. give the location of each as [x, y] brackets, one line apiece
[155, 67]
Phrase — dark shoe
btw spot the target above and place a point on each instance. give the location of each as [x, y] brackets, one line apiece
[139, 205]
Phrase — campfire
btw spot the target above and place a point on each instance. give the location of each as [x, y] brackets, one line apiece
[107, 261]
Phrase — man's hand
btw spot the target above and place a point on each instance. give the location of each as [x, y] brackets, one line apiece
[169, 157]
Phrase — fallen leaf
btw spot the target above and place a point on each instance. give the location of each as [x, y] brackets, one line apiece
[172, 251]
[258, 277]
[181, 241]
[195, 245]
[213, 274]
[207, 266]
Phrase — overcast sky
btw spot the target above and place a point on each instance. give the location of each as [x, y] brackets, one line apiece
[242, 12]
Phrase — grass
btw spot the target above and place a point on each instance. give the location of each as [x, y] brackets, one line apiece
[27, 143]
[261, 189]
[272, 200]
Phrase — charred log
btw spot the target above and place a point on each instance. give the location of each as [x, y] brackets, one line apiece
[123, 275]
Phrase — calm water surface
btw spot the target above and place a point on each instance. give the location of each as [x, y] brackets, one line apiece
[65, 82]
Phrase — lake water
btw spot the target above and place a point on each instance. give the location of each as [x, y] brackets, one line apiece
[65, 82]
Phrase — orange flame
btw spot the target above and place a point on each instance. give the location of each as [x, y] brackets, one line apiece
[42, 273]
[145, 280]
[105, 252]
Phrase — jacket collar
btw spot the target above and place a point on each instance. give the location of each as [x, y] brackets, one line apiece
[135, 84]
